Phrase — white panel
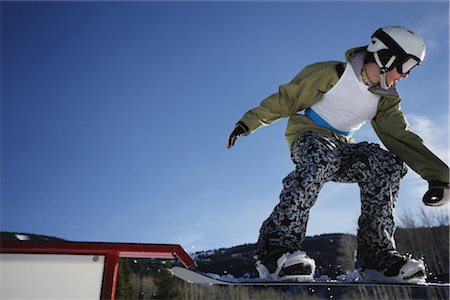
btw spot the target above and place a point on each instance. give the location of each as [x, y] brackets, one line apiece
[50, 276]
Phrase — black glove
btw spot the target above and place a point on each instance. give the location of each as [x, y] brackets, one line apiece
[238, 131]
[437, 194]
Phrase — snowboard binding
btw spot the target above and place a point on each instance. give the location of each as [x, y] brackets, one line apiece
[411, 271]
[295, 266]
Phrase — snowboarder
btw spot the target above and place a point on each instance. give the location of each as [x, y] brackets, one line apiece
[326, 103]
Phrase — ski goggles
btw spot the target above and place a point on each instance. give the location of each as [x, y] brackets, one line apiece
[407, 65]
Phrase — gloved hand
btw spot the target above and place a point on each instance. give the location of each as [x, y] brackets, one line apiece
[238, 131]
[437, 194]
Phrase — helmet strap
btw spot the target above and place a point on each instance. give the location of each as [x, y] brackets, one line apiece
[383, 82]
[384, 69]
[390, 62]
[388, 65]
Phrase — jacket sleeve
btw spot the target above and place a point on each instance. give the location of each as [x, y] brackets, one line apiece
[302, 92]
[392, 128]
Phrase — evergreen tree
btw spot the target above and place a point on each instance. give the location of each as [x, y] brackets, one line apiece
[125, 288]
[168, 286]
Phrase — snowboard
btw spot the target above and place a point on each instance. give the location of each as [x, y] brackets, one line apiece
[214, 279]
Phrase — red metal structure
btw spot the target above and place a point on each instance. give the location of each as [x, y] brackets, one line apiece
[111, 251]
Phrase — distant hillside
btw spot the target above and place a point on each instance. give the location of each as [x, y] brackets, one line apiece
[18, 236]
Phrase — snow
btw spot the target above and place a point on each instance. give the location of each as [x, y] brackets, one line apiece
[23, 237]
[348, 277]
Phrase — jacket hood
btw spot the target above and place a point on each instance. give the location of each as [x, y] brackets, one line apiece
[351, 53]
[355, 56]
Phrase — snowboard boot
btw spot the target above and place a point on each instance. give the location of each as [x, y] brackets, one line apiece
[407, 270]
[281, 265]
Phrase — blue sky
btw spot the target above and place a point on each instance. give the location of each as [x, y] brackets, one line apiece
[115, 115]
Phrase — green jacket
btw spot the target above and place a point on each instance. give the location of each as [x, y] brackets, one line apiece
[389, 123]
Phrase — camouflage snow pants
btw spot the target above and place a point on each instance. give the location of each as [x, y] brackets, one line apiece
[320, 158]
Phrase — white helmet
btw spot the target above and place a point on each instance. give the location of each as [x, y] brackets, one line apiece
[396, 47]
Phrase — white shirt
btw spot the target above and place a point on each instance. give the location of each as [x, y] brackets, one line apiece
[346, 106]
